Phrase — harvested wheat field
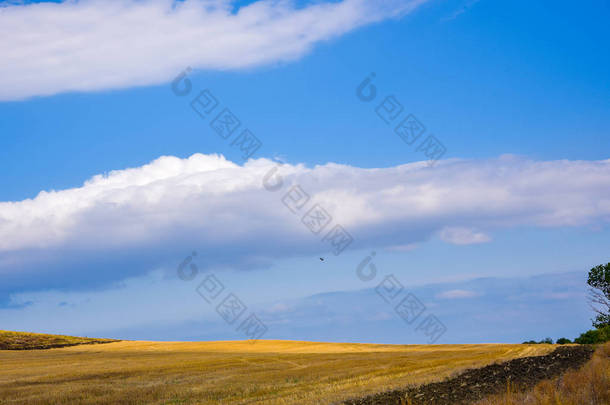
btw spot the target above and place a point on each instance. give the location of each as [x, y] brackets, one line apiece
[238, 372]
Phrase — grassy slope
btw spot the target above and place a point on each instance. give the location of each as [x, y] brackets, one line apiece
[590, 385]
[267, 372]
[30, 341]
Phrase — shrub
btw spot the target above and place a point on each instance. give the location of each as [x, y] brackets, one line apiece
[594, 336]
[563, 341]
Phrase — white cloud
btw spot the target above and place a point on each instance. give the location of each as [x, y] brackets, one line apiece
[403, 248]
[453, 294]
[463, 236]
[86, 45]
[135, 220]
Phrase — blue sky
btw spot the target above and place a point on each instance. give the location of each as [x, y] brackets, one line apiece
[518, 93]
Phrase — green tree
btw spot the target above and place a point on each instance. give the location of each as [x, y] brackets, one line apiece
[594, 336]
[599, 294]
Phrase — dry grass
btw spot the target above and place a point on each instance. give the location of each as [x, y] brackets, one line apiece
[268, 372]
[30, 341]
[589, 385]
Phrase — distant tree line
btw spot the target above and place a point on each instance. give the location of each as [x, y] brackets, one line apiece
[593, 336]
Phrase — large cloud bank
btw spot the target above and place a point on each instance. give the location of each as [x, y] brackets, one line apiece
[87, 45]
[134, 220]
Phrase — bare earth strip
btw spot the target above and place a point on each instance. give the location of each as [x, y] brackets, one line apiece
[267, 372]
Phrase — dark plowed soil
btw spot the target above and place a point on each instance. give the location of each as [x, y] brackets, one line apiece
[10, 340]
[52, 345]
[478, 383]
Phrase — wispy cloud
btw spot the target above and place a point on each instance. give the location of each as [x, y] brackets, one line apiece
[456, 294]
[153, 307]
[463, 236]
[48, 48]
[461, 10]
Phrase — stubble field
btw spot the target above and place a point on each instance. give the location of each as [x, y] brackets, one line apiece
[265, 372]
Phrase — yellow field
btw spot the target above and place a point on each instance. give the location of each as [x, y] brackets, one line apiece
[267, 372]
